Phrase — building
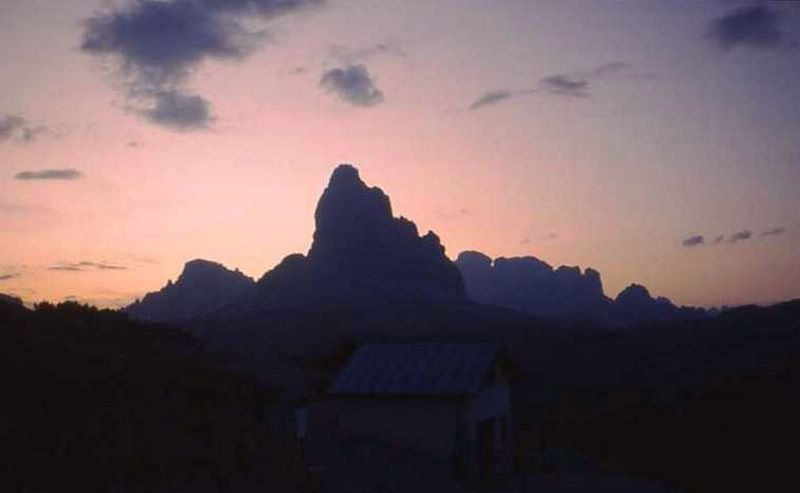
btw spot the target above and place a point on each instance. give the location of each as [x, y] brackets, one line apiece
[449, 401]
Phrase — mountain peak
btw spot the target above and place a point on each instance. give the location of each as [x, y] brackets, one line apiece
[361, 251]
[202, 287]
[348, 208]
[634, 294]
[200, 268]
[345, 173]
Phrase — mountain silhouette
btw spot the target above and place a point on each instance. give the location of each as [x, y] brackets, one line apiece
[533, 286]
[202, 288]
[364, 257]
[9, 299]
[361, 254]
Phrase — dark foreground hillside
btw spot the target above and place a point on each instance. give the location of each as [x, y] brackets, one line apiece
[93, 402]
[702, 405]
[709, 405]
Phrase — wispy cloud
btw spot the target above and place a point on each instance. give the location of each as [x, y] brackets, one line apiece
[491, 97]
[742, 235]
[8, 277]
[49, 174]
[565, 85]
[693, 241]
[15, 127]
[572, 84]
[84, 266]
[774, 231]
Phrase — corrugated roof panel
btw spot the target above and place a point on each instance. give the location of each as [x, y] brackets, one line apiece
[416, 368]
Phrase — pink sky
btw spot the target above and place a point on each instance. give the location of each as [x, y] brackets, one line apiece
[684, 140]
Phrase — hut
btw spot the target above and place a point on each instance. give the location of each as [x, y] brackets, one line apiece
[449, 401]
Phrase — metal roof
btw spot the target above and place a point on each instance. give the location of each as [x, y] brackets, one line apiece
[416, 368]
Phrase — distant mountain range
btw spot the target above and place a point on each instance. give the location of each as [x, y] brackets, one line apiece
[565, 293]
[362, 255]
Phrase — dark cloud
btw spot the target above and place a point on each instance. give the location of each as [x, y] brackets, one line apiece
[693, 240]
[49, 174]
[352, 84]
[8, 277]
[491, 97]
[740, 236]
[157, 44]
[758, 26]
[774, 231]
[179, 111]
[84, 266]
[15, 127]
[565, 85]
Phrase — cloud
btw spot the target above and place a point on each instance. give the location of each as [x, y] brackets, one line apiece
[739, 236]
[9, 124]
[757, 26]
[156, 45]
[15, 127]
[65, 268]
[352, 84]
[49, 174]
[565, 85]
[693, 240]
[743, 235]
[575, 84]
[578, 83]
[84, 266]
[8, 277]
[773, 232]
[490, 98]
[179, 111]
[608, 69]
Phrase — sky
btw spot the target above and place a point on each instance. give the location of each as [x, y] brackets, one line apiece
[654, 141]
